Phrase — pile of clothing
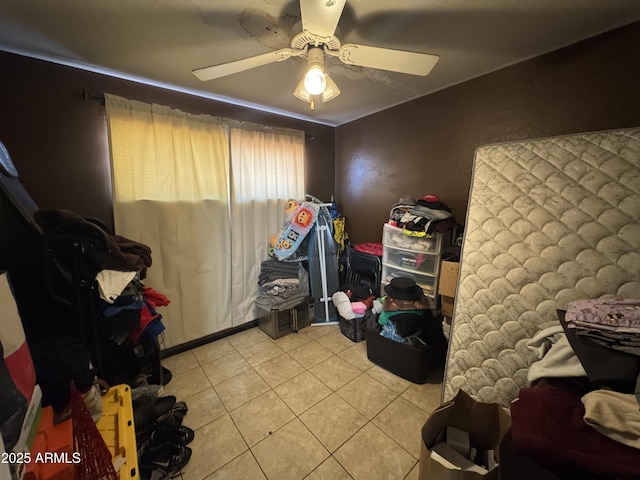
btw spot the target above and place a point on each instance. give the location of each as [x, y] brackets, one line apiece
[404, 312]
[281, 285]
[422, 217]
[81, 253]
[117, 264]
[585, 392]
[129, 312]
[63, 228]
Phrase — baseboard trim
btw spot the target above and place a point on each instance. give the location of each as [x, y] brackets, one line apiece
[183, 347]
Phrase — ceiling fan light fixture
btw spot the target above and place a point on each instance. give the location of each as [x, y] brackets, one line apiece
[317, 101]
[331, 91]
[317, 40]
[316, 87]
[314, 80]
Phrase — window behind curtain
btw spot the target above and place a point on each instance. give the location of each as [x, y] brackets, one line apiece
[267, 167]
[206, 197]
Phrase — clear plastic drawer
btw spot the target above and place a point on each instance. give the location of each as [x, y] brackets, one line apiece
[426, 282]
[426, 263]
[394, 237]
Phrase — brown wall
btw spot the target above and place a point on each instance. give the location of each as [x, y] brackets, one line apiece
[59, 144]
[58, 141]
[427, 145]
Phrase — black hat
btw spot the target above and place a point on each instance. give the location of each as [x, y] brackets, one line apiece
[404, 288]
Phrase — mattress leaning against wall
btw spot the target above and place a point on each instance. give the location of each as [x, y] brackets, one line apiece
[549, 221]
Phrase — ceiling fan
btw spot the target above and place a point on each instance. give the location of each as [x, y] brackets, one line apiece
[317, 40]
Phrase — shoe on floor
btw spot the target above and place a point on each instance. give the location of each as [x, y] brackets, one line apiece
[166, 456]
[178, 435]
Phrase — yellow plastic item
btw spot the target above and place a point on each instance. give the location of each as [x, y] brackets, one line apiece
[118, 430]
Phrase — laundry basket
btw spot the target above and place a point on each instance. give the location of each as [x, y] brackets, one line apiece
[352, 329]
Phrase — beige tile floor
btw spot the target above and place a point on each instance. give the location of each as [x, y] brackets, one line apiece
[309, 405]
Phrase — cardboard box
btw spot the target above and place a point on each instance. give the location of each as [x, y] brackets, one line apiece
[448, 279]
[447, 286]
[446, 306]
[486, 423]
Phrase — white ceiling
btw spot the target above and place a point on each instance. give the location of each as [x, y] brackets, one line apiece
[161, 41]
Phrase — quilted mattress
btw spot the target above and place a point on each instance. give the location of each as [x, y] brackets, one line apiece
[548, 221]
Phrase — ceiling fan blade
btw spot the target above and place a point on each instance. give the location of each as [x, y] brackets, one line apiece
[320, 17]
[387, 59]
[224, 69]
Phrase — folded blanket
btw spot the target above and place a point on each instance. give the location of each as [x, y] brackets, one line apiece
[604, 313]
[282, 301]
[272, 270]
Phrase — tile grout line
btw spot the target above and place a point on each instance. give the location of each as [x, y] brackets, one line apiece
[271, 389]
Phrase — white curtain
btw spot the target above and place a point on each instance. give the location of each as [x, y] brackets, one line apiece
[205, 197]
[267, 166]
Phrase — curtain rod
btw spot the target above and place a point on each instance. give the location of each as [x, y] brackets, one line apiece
[99, 97]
